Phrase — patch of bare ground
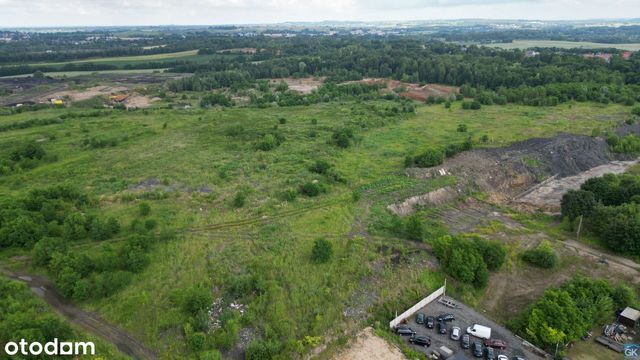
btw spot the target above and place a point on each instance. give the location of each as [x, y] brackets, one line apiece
[547, 195]
[504, 173]
[79, 95]
[137, 101]
[302, 85]
[411, 90]
[435, 197]
[367, 345]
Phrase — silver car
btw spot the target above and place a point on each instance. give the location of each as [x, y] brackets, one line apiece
[455, 333]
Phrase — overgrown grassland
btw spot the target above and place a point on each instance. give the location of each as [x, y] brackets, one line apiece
[199, 160]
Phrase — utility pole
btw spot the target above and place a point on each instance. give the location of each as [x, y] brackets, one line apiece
[579, 227]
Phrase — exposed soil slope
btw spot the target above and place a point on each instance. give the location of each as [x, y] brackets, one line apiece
[504, 173]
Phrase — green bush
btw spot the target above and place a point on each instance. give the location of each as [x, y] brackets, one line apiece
[322, 251]
[429, 158]
[311, 189]
[543, 256]
[144, 209]
[413, 227]
[239, 199]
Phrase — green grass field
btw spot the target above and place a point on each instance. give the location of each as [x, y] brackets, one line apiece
[121, 61]
[527, 44]
[186, 150]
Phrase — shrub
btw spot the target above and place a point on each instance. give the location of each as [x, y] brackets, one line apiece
[429, 158]
[74, 227]
[215, 99]
[46, 247]
[196, 299]
[542, 256]
[322, 251]
[311, 189]
[414, 229]
[462, 128]
[262, 350]
[320, 167]
[268, 142]
[28, 151]
[342, 137]
[239, 199]
[144, 209]
[471, 105]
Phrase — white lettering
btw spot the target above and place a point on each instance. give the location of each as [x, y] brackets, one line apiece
[34, 345]
[23, 347]
[84, 348]
[49, 345]
[13, 345]
[69, 351]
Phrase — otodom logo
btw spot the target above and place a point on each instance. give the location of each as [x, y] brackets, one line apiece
[632, 351]
[54, 347]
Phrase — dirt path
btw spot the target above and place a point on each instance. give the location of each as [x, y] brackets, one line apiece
[628, 266]
[91, 322]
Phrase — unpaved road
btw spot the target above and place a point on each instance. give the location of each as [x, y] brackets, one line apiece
[91, 322]
[549, 194]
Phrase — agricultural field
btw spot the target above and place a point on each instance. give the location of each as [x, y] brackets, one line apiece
[528, 44]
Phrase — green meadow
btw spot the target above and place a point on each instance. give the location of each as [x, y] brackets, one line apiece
[190, 165]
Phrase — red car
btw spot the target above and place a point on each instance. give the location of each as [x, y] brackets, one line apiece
[495, 343]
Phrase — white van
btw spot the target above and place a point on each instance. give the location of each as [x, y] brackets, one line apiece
[482, 332]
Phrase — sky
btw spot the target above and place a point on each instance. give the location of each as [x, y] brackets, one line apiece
[46, 13]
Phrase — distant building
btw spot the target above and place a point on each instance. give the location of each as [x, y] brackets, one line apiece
[627, 55]
[530, 54]
[604, 56]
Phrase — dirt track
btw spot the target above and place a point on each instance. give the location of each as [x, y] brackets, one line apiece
[91, 322]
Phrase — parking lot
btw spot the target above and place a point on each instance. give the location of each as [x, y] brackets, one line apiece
[464, 317]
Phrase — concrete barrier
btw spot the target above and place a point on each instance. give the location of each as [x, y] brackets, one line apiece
[422, 303]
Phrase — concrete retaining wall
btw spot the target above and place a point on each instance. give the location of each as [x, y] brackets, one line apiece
[422, 303]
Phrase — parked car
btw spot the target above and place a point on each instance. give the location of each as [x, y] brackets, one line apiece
[442, 327]
[489, 354]
[455, 333]
[430, 322]
[466, 341]
[420, 340]
[519, 358]
[495, 343]
[503, 357]
[405, 331]
[420, 318]
[476, 349]
[446, 317]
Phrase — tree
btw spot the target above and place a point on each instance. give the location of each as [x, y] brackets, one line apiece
[46, 247]
[74, 227]
[576, 203]
[322, 251]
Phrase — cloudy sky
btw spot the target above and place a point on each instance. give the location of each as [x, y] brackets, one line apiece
[15, 13]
